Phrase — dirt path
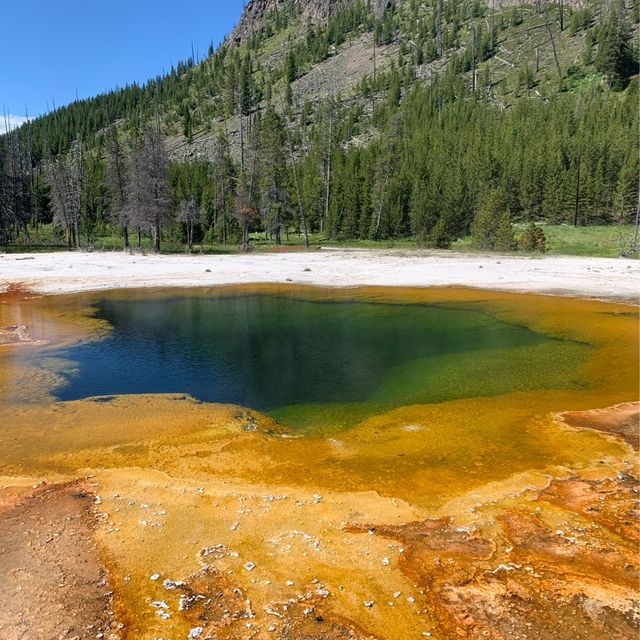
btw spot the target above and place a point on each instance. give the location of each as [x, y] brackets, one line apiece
[52, 584]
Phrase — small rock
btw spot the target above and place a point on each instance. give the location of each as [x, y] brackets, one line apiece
[369, 603]
[171, 584]
[196, 632]
[250, 566]
[154, 576]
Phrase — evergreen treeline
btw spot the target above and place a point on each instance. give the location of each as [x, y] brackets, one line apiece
[434, 160]
[573, 159]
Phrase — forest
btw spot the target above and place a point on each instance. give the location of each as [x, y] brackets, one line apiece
[434, 146]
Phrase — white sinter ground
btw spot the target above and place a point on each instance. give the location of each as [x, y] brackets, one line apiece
[75, 271]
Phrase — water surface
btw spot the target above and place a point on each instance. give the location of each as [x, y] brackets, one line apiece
[310, 361]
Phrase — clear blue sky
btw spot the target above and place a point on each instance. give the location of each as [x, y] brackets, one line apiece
[49, 49]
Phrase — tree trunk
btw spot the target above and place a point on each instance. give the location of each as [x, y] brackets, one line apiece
[76, 232]
[553, 42]
[303, 220]
[375, 62]
[577, 205]
[241, 143]
[473, 57]
[327, 195]
[245, 236]
[224, 228]
[277, 230]
[439, 39]
[636, 233]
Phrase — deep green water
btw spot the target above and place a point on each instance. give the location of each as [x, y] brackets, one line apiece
[311, 363]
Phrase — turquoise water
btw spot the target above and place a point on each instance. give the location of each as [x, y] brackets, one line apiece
[307, 361]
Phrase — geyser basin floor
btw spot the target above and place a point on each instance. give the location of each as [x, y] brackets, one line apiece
[200, 493]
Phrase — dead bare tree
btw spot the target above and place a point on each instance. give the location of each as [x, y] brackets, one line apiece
[148, 199]
[547, 25]
[296, 182]
[329, 114]
[190, 214]
[64, 176]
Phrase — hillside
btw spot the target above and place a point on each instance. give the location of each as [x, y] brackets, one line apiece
[358, 120]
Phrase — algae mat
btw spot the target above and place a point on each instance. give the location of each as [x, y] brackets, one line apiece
[397, 468]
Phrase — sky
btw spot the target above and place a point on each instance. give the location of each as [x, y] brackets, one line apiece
[49, 51]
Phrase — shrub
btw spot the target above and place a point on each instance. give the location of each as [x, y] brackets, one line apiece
[533, 239]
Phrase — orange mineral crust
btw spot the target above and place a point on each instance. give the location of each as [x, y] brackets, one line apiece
[480, 517]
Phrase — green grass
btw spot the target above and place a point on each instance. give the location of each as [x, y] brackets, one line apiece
[604, 241]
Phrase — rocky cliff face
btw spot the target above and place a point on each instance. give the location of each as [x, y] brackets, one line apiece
[253, 17]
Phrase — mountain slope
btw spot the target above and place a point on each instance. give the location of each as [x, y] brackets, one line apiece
[370, 120]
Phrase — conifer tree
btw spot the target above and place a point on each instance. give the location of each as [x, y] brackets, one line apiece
[117, 176]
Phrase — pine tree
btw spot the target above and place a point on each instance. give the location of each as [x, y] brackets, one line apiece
[614, 56]
[491, 228]
[505, 239]
[272, 174]
[626, 194]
